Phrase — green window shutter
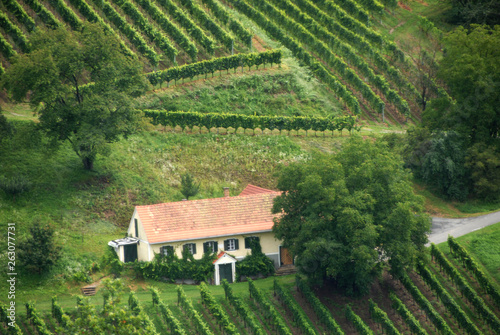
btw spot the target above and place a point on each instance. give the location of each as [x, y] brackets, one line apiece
[167, 250]
[226, 245]
[236, 244]
[206, 247]
[247, 242]
[194, 248]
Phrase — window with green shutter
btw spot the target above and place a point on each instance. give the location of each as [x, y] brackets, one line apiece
[191, 247]
[167, 250]
[210, 247]
[249, 240]
[231, 244]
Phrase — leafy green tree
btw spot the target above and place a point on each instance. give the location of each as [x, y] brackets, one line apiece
[483, 162]
[466, 12]
[343, 214]
[81, 84]
[443, 165]
[189, 188]
[39, 252]
[471, 70]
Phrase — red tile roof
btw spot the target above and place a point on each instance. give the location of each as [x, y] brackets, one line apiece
[196, 219]
[251, 189]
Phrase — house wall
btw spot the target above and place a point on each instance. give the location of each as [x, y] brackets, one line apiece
[270, 246]
[143, 248]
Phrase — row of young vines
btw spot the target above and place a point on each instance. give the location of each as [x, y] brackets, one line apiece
[236, 121]
[216, 64]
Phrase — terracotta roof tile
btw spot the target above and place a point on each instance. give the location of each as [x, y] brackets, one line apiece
[251, 189]
[194, 219]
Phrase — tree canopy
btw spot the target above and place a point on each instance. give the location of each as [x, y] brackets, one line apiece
[38, 253]
[342, 214]
[471, 70]
[81, 84]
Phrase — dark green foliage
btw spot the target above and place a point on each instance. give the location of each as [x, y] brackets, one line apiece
[113, 318]
[483, 162]
[57, 74]
[342, 213]
[466, 12]
[438, 159]
[171, 268]
[5, 128]
[39, 252]
[470, 70]
[255, 263]
[14, 186]
[189, 188]
[443, 165]
[217, 64]
[110, 259]
[217, 120]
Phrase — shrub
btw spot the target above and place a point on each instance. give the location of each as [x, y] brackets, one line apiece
[256, 263]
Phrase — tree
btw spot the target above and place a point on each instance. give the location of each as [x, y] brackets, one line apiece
[81, 84]
[471, 70]
[483, 163]
[466, 12]
[343, 214]
[443, 165]
[188, 186]
[39, 253]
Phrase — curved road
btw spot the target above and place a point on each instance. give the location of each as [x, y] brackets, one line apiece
[442, 227]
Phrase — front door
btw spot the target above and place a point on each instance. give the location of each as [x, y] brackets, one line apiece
[226, 272]
[285, 256]
[130, 252]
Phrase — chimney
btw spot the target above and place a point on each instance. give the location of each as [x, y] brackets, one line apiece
[226, 192]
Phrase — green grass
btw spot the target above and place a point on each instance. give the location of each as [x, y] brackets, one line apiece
[290, 91]
[168, 293]
[483, 246]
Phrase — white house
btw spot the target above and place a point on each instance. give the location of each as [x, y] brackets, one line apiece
[225, 224]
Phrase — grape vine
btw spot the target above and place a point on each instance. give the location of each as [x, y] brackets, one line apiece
[299, 52]
[14, 32]
[134, 37]
[154, 35]
[164, 22]
[192, 29]
[450, 304]
[18, 11]
[471, 265]
[45, 15]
